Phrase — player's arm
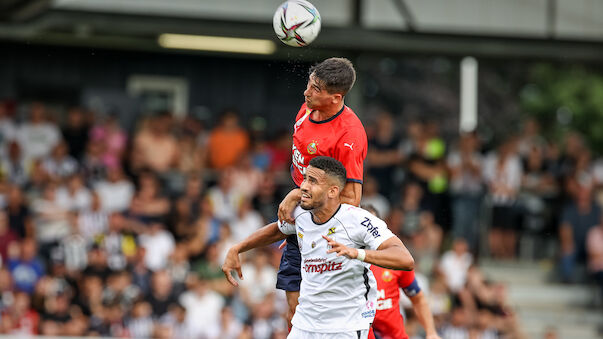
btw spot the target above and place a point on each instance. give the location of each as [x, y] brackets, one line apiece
[351, 194]
[390, 254]
[260, 238]
[287, 206]
[423, 313]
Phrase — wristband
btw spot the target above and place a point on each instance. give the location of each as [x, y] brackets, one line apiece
[361, 254]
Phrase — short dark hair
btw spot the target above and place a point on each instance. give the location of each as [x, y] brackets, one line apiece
[337, 75]
[332, 167]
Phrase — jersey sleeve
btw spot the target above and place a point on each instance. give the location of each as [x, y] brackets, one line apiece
[351, 151]
[285, 227]
[371, 231]
[408, 283]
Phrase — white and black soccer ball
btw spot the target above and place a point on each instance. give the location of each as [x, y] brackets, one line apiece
[296, 23]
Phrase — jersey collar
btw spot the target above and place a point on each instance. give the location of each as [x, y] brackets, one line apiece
[326, 221]
[329, 119]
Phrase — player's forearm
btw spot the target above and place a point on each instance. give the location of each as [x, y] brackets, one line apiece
[395, 257]
[423, 313]
[260, 238]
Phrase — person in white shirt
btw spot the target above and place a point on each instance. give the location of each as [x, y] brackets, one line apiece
[37, 137]
[338, 242]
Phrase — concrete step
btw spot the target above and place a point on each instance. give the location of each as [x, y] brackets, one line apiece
[563, 331]
[561, 317]
[550, 296]
[517, 273]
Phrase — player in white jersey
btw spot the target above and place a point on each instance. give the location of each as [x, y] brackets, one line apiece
[338, 242]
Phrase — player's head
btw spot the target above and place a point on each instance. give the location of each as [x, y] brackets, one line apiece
[329, 82]
[324, 179]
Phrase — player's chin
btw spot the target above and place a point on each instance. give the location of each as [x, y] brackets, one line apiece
[306, 205]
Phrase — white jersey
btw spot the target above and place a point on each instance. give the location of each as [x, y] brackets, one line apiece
[337, 294]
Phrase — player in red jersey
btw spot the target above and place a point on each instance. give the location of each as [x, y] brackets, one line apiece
[323, 126]
[389, 323]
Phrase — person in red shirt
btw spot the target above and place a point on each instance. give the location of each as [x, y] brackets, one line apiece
[324, 126]
[389, 323]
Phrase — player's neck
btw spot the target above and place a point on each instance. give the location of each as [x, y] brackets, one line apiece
[327, 113]
[326, 212]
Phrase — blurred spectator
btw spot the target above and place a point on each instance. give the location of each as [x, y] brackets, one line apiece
[502, 173]
[175, 321]
[7, 236]
[594, 249]
[7, 128]
[20, 318]
[51, 219]
[455, 263]
[227, 141]
[148, 204]
[75, 132]
[371, 196]
[186, 208]
[24, 265]
[74, 196]
[466, 188]
[74, 251]
[530, 138]
[140, 323]
[259, 278]
[458, 325]
[411, 208]
[116, 191]
[13, 167]
[267, 199]
[154, 146]
[384, 153]
[201, 302]
[60, 165]
[111, 139]
[162, 295]
[37, 136]
[246, 222]
[191, 155]
[92, 163]
[228, 327]
[178, 265]
[209, 270]
[224, 197]
[427, 167]
[93, 222]
[118, 242]
[246, 177]
[159, 245]
[578, 217]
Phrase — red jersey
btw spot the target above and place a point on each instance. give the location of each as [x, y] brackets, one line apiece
[389, 323]
[342, 137]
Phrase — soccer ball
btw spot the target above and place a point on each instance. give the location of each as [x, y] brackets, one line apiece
[296, 23]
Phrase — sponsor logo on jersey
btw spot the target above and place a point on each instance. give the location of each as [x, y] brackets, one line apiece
[313, 244]
[301, 238]
[384, 304]
[331, 231]
[323, 267]
[368, 314]
[387, 276]
[372, 230]
[298, 160]
[301, 120]
[351, 146]
[312, 147]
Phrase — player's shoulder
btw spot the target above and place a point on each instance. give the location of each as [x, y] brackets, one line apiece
[299, 212]
[349, 117]
[302, 111]
[358, 216]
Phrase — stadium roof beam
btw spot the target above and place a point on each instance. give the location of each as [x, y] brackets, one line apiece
[121, 31]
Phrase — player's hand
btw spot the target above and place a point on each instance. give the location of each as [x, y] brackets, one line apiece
[341, 249]
[287, 206]
[232, 263]
[282, 245]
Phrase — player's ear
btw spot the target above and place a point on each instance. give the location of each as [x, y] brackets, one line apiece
[337, 98]
[333, 191]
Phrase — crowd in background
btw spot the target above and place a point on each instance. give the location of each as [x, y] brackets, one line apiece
[110, 232]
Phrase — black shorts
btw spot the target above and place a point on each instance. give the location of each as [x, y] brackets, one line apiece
[504, 217]
[289, 272]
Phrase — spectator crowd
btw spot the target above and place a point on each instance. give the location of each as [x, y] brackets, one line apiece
[110, 232]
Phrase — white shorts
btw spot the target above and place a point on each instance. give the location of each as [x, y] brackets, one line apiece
[296, 333]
